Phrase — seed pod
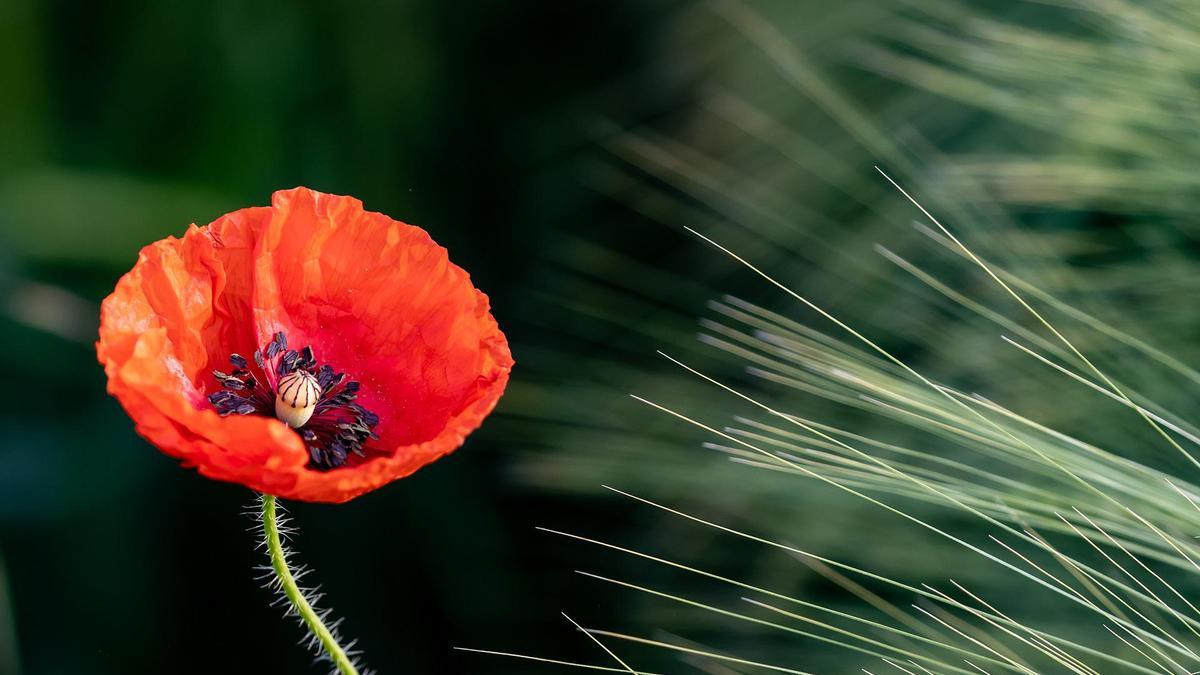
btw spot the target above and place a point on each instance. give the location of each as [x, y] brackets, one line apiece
[297, 398]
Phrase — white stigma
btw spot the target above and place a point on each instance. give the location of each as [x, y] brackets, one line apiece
[297, 398]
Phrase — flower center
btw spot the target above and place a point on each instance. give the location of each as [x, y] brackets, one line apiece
[314, 401]
[297, 398]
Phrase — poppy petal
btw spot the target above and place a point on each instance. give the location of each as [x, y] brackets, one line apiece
[375, 298]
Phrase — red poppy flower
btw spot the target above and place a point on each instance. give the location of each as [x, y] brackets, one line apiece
[310, 349]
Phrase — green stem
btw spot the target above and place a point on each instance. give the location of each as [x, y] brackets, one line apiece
[287, 581]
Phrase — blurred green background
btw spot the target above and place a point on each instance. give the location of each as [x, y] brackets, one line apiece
[557, 149]
[123, 122]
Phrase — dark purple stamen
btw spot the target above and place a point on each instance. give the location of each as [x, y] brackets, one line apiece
[338, 426]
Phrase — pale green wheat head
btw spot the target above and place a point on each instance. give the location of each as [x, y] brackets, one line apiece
[951, 433]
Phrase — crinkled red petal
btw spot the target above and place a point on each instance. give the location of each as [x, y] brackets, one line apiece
[374, 297]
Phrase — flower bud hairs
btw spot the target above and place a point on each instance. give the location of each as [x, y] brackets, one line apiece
[375, 307]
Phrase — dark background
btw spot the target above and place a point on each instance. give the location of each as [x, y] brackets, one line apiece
[125, 121]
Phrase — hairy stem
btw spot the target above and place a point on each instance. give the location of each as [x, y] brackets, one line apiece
[287, 582]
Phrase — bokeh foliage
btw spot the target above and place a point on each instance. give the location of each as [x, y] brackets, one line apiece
[123, 122]
[775, 160]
